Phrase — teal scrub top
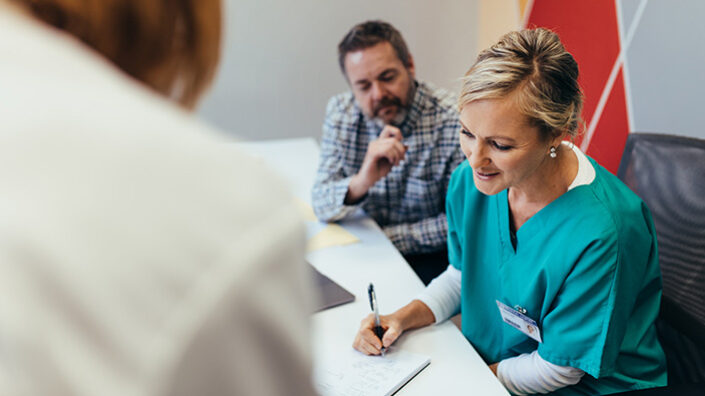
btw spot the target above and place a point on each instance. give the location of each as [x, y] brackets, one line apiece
[585, 268]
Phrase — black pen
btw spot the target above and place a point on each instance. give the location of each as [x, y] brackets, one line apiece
[379, 331]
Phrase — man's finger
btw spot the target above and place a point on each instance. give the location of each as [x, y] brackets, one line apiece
[391, 131]
[392, 156]
[402, 149]
[399, 152]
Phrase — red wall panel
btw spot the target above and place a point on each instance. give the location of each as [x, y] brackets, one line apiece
[589, 30]
[610, 136]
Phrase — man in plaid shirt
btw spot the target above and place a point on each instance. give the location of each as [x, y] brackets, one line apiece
[389, 147]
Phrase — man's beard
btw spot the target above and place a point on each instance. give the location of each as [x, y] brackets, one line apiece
[401, 107]
[384, 102]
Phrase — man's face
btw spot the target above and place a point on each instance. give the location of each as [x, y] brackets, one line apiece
[382, 85]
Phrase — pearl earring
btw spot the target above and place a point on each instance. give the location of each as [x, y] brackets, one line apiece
[553, 152]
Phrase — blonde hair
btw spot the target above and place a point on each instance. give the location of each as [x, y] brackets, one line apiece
[534, 64]
[173, 46]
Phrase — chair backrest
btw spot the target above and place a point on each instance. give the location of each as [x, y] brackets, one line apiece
[668, 173]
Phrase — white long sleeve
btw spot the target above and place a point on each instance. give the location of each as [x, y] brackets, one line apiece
[528, 374]
[442, 295]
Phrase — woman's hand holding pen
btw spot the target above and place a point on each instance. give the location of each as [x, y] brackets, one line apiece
[413, 315]
[367, 342]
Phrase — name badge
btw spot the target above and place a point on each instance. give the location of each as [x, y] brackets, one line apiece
[519, 321]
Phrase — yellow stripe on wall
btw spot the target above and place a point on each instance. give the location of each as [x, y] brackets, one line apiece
[522, 8]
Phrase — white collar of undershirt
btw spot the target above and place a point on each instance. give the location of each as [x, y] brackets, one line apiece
[586, 172]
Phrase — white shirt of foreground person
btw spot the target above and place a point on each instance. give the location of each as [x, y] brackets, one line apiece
[139, 254]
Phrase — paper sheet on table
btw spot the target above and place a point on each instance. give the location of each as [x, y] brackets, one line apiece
[322, 235]
[329, 235]
[313, 228]
[305, 210]
[352, 373]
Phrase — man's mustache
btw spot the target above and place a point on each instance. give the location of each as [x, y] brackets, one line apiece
[384, 102]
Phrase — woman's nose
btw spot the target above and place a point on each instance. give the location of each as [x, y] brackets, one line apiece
[478, 157]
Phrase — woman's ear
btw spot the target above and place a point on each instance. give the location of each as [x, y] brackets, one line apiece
[559, 137]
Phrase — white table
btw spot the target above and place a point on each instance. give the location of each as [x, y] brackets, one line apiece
[455, 366]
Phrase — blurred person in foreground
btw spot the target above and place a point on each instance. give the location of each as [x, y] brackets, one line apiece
[389, 146]
[553, 260]
[140, 253]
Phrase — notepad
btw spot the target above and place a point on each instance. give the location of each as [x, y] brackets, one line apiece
[355, 374]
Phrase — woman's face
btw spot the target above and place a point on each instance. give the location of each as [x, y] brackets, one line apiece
[501, 147]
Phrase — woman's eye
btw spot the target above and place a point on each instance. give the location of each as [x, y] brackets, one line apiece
[467, 133]
[501, 146]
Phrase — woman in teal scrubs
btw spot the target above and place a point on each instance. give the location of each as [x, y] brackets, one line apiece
[554, 262]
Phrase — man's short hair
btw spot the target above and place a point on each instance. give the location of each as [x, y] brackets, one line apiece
[368, 34]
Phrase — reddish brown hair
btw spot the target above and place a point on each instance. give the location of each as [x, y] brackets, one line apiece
[172, 46]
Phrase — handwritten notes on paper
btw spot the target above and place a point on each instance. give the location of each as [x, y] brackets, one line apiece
[322, 235]
[355, 374]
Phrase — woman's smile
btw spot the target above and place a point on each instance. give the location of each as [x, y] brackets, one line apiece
[486, 175]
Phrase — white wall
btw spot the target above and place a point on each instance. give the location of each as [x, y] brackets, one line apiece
[664, 63]
[280, 65]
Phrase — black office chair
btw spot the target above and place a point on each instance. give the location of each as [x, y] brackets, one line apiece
[668, 173]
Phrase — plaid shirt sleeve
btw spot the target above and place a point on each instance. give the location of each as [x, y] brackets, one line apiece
[427, 235]
[331, 184]
[430, 233]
